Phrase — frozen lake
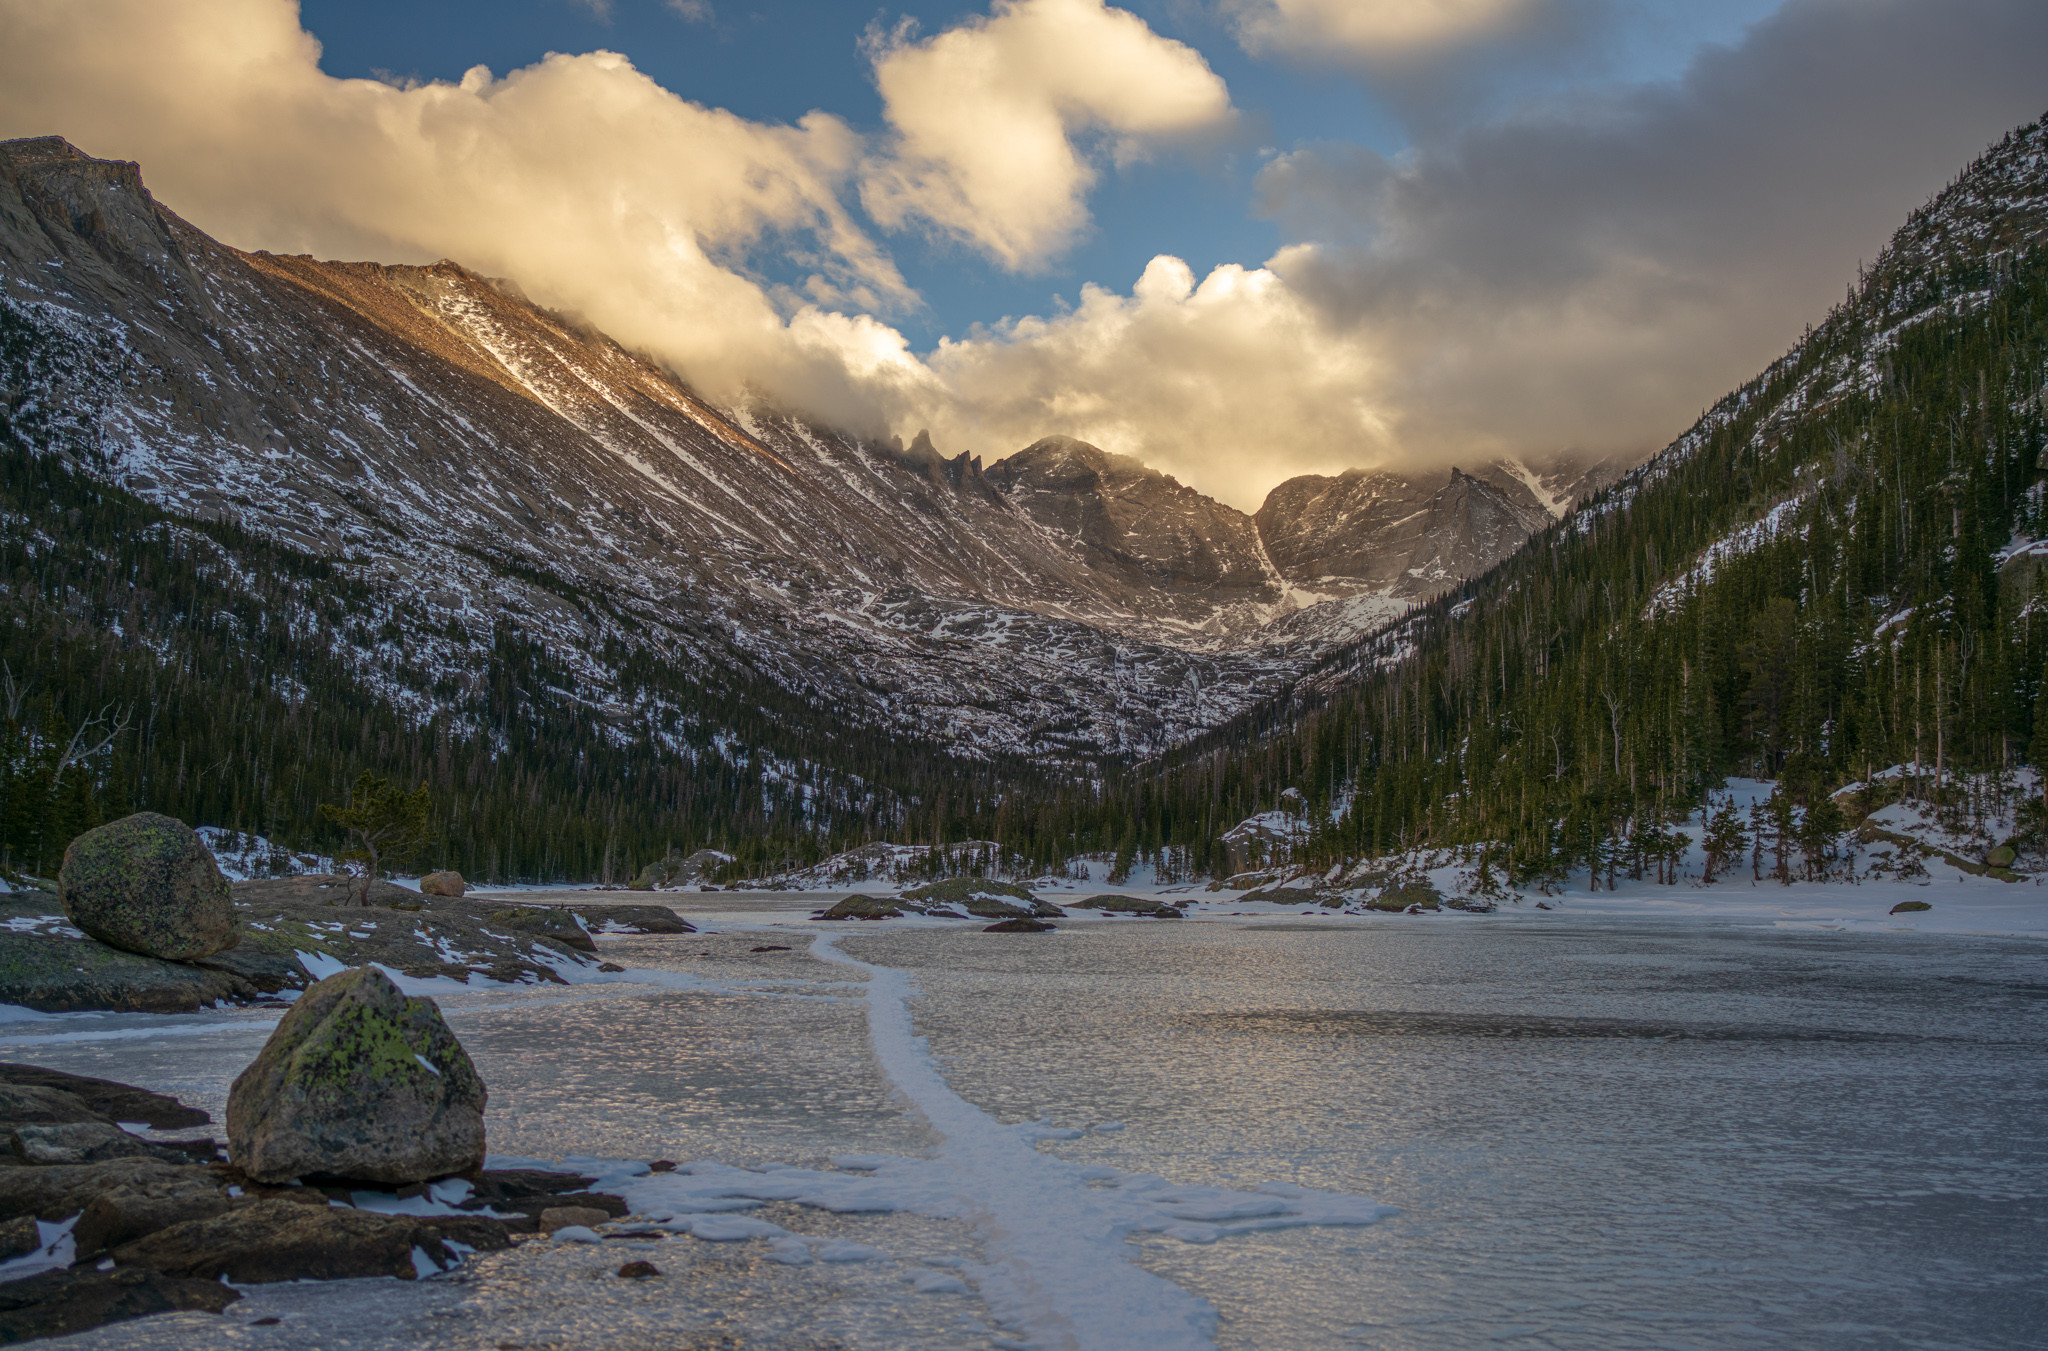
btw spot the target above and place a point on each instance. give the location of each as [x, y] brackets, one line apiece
[1595, 1132]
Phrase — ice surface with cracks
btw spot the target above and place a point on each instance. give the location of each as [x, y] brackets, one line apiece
[1053, 1231]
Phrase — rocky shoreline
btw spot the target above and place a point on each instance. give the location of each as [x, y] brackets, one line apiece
[119, 1226]
[291, 931]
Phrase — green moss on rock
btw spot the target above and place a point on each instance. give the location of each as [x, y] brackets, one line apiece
[358, 1081]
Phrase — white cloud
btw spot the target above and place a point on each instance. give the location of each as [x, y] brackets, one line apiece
[1366, 28]
[989, 118]
[1233, 384]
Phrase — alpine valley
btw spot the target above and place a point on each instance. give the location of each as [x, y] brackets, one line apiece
[306, 517]
[313, 514]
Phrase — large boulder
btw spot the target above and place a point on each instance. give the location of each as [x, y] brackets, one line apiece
[147, 884]
[443, 884]
[360, 1082]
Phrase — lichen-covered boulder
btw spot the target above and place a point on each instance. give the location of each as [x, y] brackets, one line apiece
[443, 884]
[147, 884]
[360, 1082]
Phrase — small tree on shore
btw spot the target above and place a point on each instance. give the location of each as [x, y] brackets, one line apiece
[1784, 830]
[1725, 839]
[1818, 836]
[386, 824]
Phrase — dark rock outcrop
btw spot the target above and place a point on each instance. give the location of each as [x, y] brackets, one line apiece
[678, 870]
[56, 1303]
[1135, 524]
[272, 1240]
[111, 1101]
[42, 1105]
[62, 974]
[1411, 894]
[76, 1142]
[423, 936]
[863, 907]
[147, 884]
[631, 919]
[358, 1081]
[545, 921]
[1126, 905]
[57, 1193]
[1019, 926]
[145, 1204]
[1402, 534]
[979, 897]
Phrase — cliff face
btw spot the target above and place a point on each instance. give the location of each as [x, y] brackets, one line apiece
[1395, 534]
[1135, 522]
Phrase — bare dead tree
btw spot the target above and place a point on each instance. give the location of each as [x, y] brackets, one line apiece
[83, 745]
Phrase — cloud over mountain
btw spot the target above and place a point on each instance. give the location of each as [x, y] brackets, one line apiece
[1578, 274]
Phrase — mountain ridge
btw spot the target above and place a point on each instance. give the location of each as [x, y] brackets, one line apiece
[804, 554]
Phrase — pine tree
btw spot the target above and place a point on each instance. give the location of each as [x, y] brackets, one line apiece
[1818, 831]
[1784, 831]
[1725, 839]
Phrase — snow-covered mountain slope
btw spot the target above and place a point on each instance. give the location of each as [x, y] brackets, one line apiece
[485, 466]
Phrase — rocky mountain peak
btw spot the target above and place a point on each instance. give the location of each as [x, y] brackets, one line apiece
[1406, 535]
[1133, 521]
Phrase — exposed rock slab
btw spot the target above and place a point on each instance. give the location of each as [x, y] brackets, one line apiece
[631, 919]
[422, 936]
[57, 969]
[284, 1241]
[58, 1193]
[980, 897]
[1126, 905]
[56, 1303]
[112, 1101]
[863, 907]
[76, 1142]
